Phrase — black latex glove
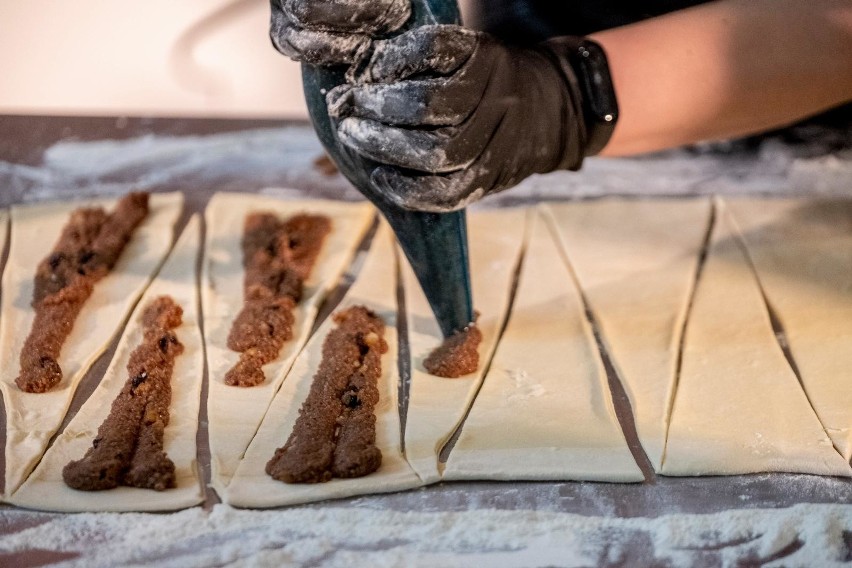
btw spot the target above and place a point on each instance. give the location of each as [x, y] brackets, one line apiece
[453, 115]
[332, 32]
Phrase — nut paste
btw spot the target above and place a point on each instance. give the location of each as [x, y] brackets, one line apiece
[88, 248]
[278, 257]
[128, 449]
[335, 433]
[457, 355]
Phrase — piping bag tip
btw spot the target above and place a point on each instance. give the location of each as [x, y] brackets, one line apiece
[434, 243]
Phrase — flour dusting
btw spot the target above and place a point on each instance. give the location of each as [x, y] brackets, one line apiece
[805, 535]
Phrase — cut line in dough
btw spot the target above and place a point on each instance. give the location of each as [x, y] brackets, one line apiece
[33, 418]
[235, 413]
[46, 490]
[802, 252]
[739, 408]
[436, 406]
[544, 411]
[636, 262]
[375, 288]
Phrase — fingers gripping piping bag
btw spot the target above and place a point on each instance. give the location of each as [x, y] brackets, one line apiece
[435, 243]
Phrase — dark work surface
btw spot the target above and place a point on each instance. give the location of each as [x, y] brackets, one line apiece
[23, 142]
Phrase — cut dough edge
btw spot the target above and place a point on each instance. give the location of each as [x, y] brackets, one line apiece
[32, 419]
[753, 436]
[235, 413]
[536, 417]
[638, 279]
[436, 406]
[45, 489]
[375, 288]
[800, 252]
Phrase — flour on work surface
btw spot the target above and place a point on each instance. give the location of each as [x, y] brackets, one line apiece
[804, 535]
[251, 159]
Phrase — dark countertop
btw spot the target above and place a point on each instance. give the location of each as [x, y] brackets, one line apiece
[32, 169]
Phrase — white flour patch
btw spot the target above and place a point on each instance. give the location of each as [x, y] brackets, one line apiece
[525, 387]
[804, 535]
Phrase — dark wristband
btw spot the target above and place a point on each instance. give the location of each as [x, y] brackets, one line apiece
[590, 73]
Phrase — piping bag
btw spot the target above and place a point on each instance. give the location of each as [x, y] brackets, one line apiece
[434, 243]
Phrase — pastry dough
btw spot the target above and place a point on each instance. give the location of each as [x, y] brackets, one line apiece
[32, 418]
[545, 410]
[234, 413]
[375, 288]
[739, 407]
[636, 263]
[437, 405]
[802, 251]
[44, 489]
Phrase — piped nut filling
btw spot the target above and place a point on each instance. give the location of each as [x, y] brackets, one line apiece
[88, 248]
[128, 449]
[335, 433]
[457, 355]
[278, 257]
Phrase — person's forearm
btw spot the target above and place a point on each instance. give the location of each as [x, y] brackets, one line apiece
[725, 69]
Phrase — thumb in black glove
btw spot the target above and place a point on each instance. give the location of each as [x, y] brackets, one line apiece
[453, 115]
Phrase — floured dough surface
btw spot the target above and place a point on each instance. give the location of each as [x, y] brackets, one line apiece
[32, 419]
[437, 405]
[802, 251]
[374, 288]
[636, 262]
[544, 411]
[234, 413]
[45, 489]
[739, 408]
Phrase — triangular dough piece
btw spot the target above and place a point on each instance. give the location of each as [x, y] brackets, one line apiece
[234, 413]
[636, 262]
[33, 418]
[44, 489]
[739, 408]
[375, 288]
[437, 405]
[545, 410]
[802, 251]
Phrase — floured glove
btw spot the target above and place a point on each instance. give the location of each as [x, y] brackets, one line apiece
[452, 115]
[332, 32]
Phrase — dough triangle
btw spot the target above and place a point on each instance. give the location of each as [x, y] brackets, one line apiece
[544, 411]
[234, 413]
[636, 261]
[45, 489]
[32, 419]
[739, 408]
[802, 251]
[436, 405]
[374, 288]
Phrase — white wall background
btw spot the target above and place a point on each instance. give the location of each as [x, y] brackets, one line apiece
[156, 57]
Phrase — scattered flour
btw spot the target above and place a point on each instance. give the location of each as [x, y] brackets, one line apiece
[804, 535]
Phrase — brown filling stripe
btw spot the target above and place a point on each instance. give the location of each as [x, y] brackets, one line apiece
[128, 449]
[88, 248]
[335, 433]
[278, 256]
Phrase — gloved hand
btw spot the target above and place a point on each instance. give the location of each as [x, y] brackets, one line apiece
[452, 115]
[332, 32]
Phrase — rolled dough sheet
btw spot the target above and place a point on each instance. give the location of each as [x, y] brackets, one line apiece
[234, 413]
[32, 418]
[44, 489]
[252, 487]
[544, 411]
[739, 408]
[802, 251]
[436, 406]
[636, 262]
